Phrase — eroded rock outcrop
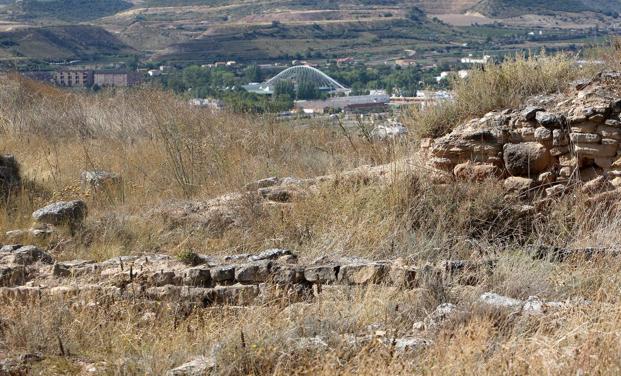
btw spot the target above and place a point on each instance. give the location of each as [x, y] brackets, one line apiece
[550, 144]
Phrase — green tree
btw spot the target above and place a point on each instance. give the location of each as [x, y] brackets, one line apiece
[284, 88]
[308, 90]
[253, 74]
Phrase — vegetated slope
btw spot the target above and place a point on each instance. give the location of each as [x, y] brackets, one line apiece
[257, 42]
[70, 10]
[512, 8]
[445, 6]
[61, 42]
[429, 6]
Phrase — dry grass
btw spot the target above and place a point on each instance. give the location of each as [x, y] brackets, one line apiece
[166, 150]
[498, 86]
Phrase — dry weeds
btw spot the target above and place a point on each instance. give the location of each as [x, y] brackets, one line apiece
[166, 150]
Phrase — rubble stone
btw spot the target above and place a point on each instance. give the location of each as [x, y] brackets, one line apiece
[196, 367]
[518, 184]
[361, 274]
[323, 274]
[526, 158]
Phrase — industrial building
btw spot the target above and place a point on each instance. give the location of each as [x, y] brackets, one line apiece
[351, 104]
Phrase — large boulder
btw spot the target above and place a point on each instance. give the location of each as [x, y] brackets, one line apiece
[62, 213]
[526, 159]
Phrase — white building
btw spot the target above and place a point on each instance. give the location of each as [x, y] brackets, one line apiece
[472, 60]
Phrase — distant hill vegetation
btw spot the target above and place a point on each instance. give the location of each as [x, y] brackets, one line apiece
[512, 8]
[266, 42]
[61, 42]
[71, 10]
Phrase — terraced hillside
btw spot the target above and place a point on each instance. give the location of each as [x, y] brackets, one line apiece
[509, 8]
[211, 30]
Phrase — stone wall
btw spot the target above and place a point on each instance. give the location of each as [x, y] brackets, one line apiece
[27, 273]
[546, 146]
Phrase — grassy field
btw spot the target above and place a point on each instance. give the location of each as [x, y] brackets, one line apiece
[169, 152]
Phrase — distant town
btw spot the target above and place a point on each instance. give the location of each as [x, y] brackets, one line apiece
[312, 88]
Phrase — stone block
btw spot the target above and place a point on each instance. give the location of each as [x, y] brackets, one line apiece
[362, 274]
[323, 274]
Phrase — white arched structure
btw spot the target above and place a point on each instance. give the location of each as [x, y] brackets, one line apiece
[298, 74]
[301, 73]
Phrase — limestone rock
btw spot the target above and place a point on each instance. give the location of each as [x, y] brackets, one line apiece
[599, 184]
[595, 150]
[530, 112]
[585, 138]
[271, 254]
[557, 151]
[199, 276]
[547, 178]
[235, 294]
[526, 159]
[223, 274]
[361, 274]
[288, 274]
[556, 190]
[476, 172]
[62, 213]
[263, 183]
[323, 274]
[610, 132]
[518, 184]
[560, 138]
[548, 119]
[499, 301]
[584, 127]
[389, 132]
[197, 367]
[543, 134]
[257, 272]
[24, 255]
[100, 179]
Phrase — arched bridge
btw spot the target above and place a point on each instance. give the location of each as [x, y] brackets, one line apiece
[300, 73]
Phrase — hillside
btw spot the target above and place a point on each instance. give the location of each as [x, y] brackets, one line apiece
[251, 30]
[68, 10]
[319, 39]
[512, 8]
[61, 43]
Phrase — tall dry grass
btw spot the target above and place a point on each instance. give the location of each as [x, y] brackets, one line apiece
[167, 150]
[498, 86]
